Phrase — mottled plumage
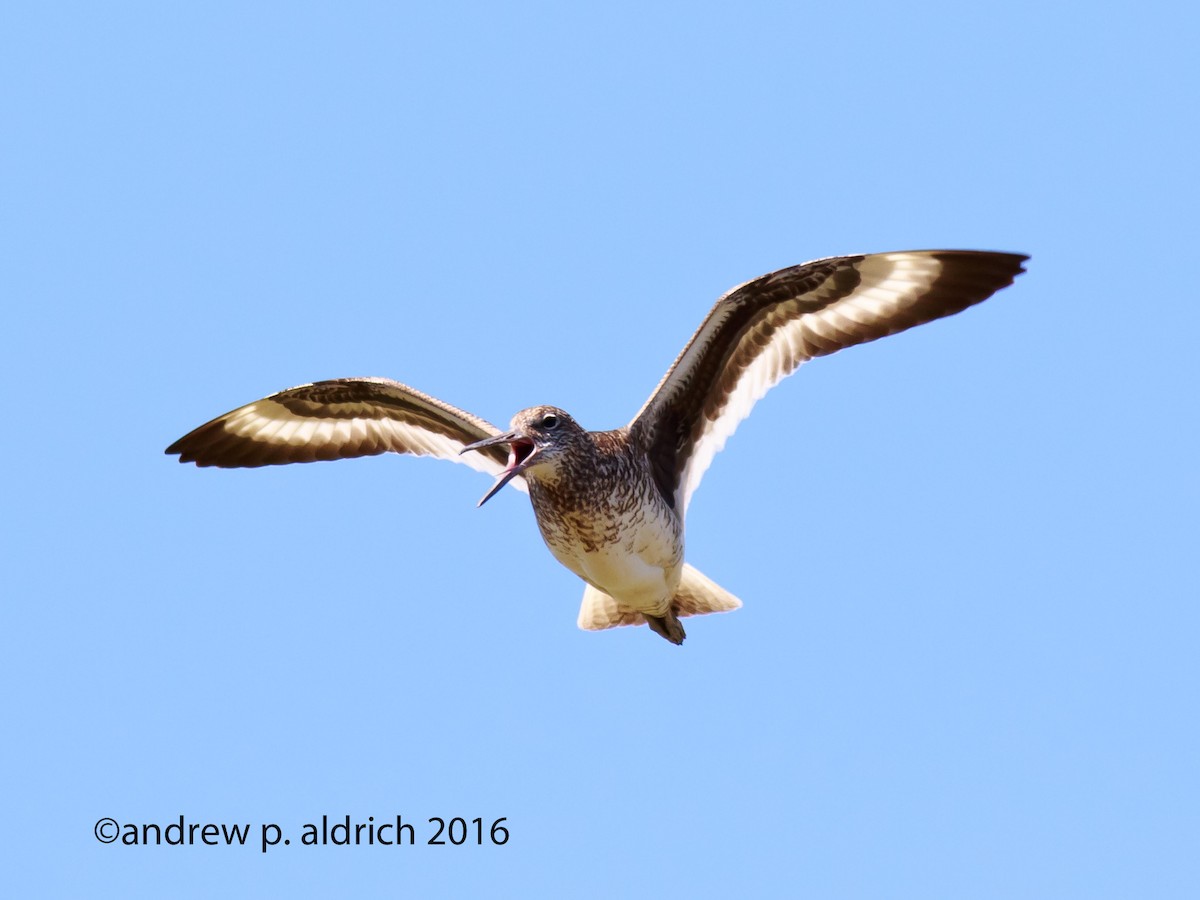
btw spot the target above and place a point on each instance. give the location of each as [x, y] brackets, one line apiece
[611, 504]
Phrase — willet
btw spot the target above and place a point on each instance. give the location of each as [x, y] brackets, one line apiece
[611, 504]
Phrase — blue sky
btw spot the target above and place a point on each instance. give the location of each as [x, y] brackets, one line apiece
[967, 661]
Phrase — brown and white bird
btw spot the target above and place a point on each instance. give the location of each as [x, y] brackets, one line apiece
[611, 504]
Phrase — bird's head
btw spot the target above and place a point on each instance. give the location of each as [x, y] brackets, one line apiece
[538, 439]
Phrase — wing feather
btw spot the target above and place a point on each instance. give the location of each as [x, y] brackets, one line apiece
[761, 331]
[341, 419]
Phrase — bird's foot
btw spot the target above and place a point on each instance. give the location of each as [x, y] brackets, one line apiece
[668, 626]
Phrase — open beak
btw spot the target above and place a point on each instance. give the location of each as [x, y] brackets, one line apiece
[521, 453]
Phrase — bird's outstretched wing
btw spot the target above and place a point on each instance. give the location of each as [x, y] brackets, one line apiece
[760, 331]
[340, 419]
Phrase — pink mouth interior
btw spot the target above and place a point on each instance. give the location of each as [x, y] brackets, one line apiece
[519, 452]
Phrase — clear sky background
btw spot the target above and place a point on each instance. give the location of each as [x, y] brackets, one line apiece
[967, 663]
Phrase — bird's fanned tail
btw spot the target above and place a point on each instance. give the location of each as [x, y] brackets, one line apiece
[696, 595]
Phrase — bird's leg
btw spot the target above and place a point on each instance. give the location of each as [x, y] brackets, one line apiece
[668, 626]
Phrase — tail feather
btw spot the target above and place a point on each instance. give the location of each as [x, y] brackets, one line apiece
[695, 596]
[698, 595]
[599, 611]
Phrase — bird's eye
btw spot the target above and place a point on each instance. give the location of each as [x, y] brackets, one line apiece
[550, 420]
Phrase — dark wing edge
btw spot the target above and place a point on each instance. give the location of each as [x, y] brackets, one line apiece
[761, 331]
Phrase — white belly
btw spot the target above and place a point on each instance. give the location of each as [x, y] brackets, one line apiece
[630, 579]
[638, 563]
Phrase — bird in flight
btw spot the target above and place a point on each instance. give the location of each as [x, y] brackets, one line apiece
[611, 504]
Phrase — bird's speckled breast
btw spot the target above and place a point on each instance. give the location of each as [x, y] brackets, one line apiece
[603, 518]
